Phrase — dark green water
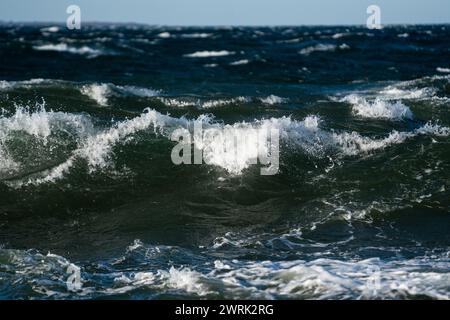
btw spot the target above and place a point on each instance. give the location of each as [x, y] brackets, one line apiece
[359, 207]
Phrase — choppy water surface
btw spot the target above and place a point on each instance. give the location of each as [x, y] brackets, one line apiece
[359, 208]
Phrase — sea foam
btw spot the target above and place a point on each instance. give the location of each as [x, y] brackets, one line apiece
[379, 108]
[97, 92]
[317, 278]
[273, 99]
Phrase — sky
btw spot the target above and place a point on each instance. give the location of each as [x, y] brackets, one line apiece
[229, 12]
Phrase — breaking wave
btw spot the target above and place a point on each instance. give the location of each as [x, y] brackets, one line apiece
[97, 92]
[273, 99]
[101, 92]
[380, 109]
[95, 146]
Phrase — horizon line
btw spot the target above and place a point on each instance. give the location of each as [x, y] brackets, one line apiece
[228, 25]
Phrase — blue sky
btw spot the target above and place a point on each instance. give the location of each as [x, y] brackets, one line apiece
[229, 12]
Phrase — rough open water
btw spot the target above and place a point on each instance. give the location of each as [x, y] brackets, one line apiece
[358, 210]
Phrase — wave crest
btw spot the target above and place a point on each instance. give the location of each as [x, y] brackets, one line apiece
[96, 146]
[379, 109]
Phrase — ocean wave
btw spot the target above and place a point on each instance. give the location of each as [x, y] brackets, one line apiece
[293, 40]
[179, 103]
[97, 92]
[202, 104]
[223, 102]
[137, 91]
[207, 54]
[63, 47]
[42, 125]
[379, 109]
[323, 48]
[340, 35]
[395, 92]
[421, 88]
[443, 70]
[273, 99]
[386, 103]
[201, 35]
[52, 29]
[101, 92]
[164, 35]
[239, 62]
[6, 85]
[96, 149]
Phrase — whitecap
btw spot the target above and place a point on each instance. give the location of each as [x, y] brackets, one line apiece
[223, 102]
[319, 47]
[207, 54]
[164, 35]
[97, 92]
[205, 104]
[379, 109]
[394, 92]
[51, 29]
[239, 62]
[273, 99]
[6, 85]
[323, 48]
[196, 35]
[138, 91]
[40, 124]
[178, 103]
[339, 35]
[63, 47]
[183, 279]
[344, 46]
[443, 70]
[101, 92]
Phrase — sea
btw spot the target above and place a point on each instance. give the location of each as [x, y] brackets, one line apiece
[93, 207]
